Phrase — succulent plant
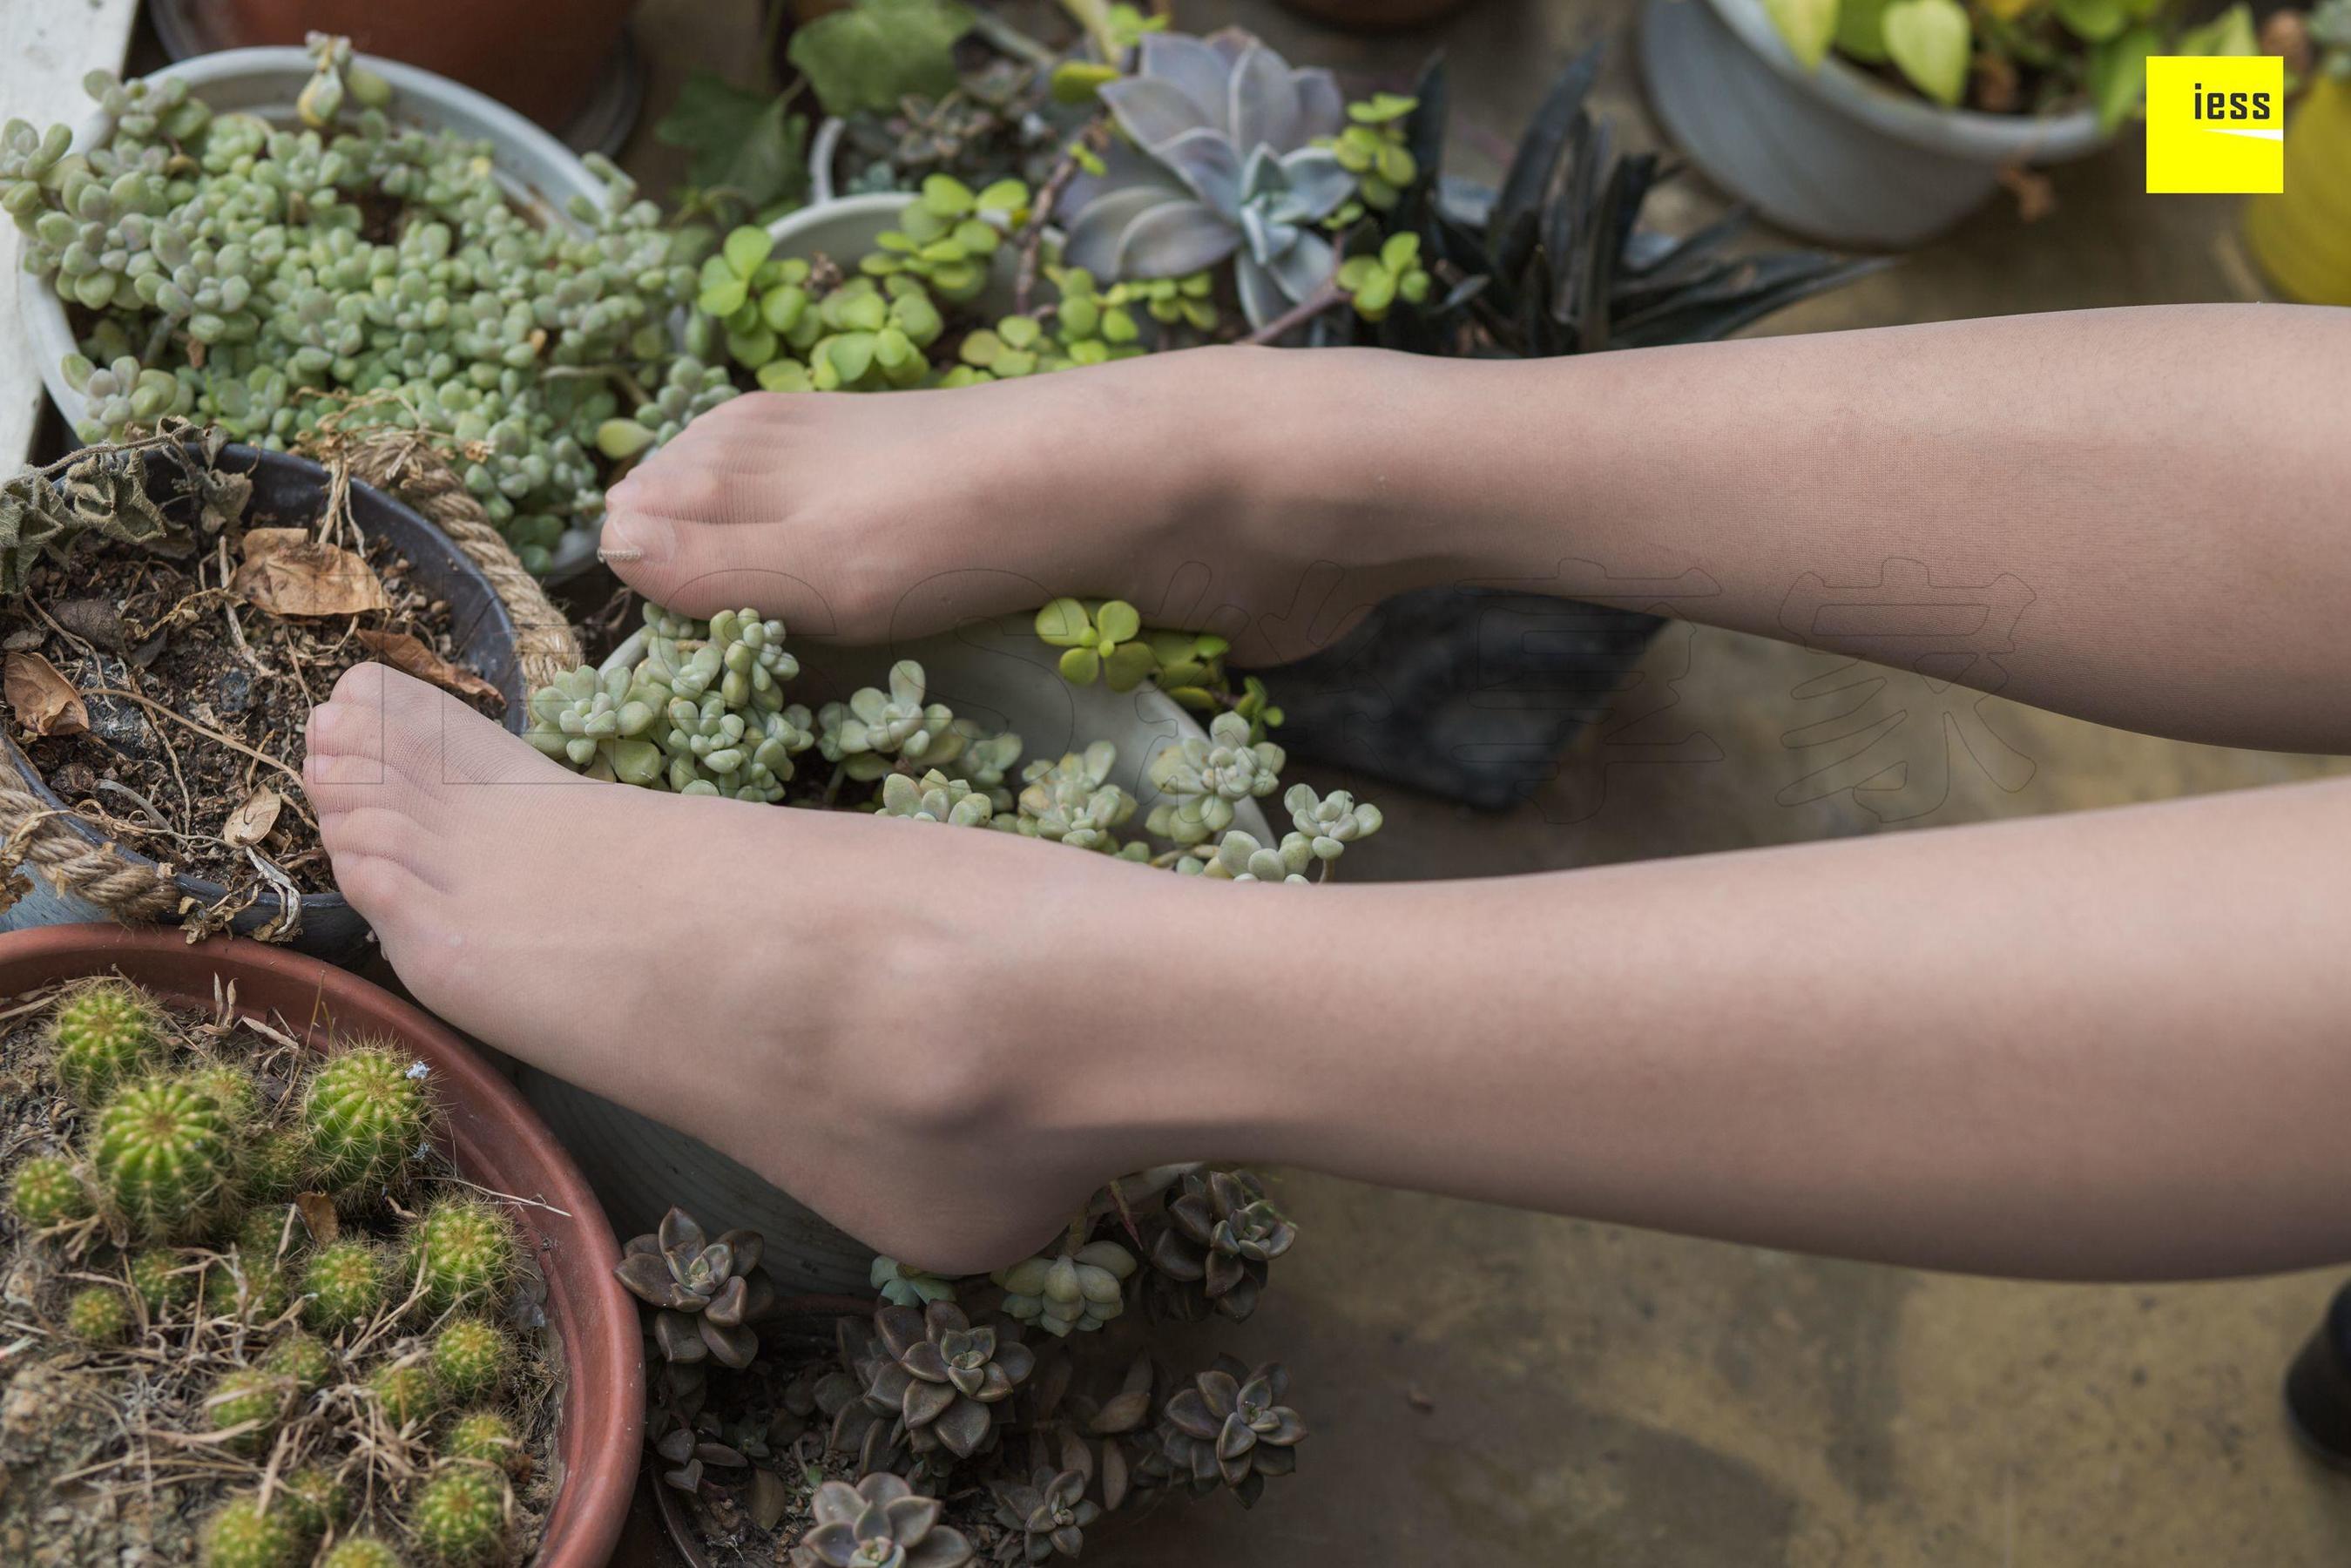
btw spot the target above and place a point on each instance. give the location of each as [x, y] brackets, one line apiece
[249, 1397]
[165, 1158]
[317, 1501]
[1222, 165]
[460, 1514]
[242, 1534]
[461, 1249]
[1375, 148]
[405, 1391]
[485, 1437]
[365, 1117]
[1046, 1514]
[471, 1358]
[1229, 1428]
[872, 727]
[1378, 280]
[942, 1376]
[1201, 777]
[1073, 802]
[878, 1523]
[1098, 640]
[46, 1192]
[935, 798]
[1220, 1231]
[704, 1293]
[903, 1287]
[276, 1166]
[1329, 822]
[347, 1283]
[163, 1278]
[104, 1034]
[97, 1316]
[1081, 1289]
[361, 1551]
[1238, 857]
[302, 1359]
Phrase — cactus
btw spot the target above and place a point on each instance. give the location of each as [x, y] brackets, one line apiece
[164, 1158]
[271, 1234]
[485, 1437]
[242, 1535]
[161, 1278]
[365, 1117]
[471, 1358]
[104, 1035]
[97, 1316]
[361, 1551]
[460, 1249]
[46, 1192]
[315, 1499]
[346, 1284]
[230, 1086]
[276, 1166]
[460, 1515]
[260, 1293]
[302, 1359]
[249, 1394]
[404, 1391]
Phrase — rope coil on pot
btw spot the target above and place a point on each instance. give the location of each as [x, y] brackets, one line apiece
[133, 889]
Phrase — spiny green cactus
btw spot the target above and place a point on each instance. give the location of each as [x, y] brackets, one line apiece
[460, 1514]
[165, 1158]
[249, 1394]
[46, 1192]
[366, 1114]
[259, 1292]
[302, 1358]
[163, 1278]
[471, 1358]
[270, 1234]
[346, 1283]
[104, 1034]
[405, 1391]
[230, 1085]
[241, 1535]
[463, 1248]
[487, 1437]
[361, 1551]
[97, 1316]
[276, 1166]
[317, 1501]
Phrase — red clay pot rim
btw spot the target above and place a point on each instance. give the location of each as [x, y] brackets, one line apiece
[602, 1432]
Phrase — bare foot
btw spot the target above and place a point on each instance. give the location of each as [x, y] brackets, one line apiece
[843, 1003]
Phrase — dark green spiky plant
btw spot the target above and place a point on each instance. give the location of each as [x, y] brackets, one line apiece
[366, 1117]
[165, 1158]
[104, 1034]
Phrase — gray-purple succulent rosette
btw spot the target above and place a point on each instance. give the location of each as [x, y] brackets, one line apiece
[1219, 163]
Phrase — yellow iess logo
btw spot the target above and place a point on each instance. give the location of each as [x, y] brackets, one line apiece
[2215, 123]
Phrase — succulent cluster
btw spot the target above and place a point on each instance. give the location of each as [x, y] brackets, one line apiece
[231, 273]
[180, 1214]
[705, 1293]
[1212, 1245]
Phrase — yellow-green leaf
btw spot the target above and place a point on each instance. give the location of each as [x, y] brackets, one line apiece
[1806, 26]
[1928, 40]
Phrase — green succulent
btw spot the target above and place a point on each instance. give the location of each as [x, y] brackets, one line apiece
[1046, 1515]
[253, 1398]
[486, 1437]
[317, 1500]
[365, 1116]
[1329, 822]
[872, 727]
[361, 1551]
[462, 1247]
[1219, 1233]
[302, 1359]
[104, 1034]
[1099, 640]
[276, 1166]
[45, 1192]
[1080, 1290]
[1378, 280]
[880, 1522]
[459, 1515]
[1238, 857]
[471, 1358]
[903, 1287]
[346, 1284]
[163, 1278]
[1201, 779]
[1373, 148]
[97, 1316]
[1072, 801]
[241, 1534]
[1228, 1427]
[165, 1158]
[936, 798]
[948, 235]
[405, 1391]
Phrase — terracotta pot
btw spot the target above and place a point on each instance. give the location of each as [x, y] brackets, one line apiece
[543, 59]
[495, 1140]
[1377, 16]
[2302, 236]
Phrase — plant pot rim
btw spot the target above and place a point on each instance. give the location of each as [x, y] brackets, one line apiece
[1965, 133]
[606, 1361]
[500, 624]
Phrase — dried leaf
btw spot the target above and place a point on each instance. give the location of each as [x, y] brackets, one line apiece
[250, 823]
[91, 619]
[286, 572]
[318, 1211]
[769, 1497]
[412, 657]
[45, 702]
[24, 637]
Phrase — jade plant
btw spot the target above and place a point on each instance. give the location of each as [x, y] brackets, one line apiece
[351, 1373]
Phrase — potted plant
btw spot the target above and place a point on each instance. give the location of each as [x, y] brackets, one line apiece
[1881, 123]
[2302, 235]
[152, 769]
[362, 1303]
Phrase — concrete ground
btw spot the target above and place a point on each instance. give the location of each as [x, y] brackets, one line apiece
[1496, 1388]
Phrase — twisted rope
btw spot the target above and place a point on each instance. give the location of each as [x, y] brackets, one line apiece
[128, 888]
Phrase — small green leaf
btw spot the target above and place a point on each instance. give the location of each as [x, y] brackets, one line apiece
[851, 354]
[2117, 74]
[1118, 620]
[1080, 666]
[1128, 666]
[1065, 623]
[1861, 30]
[1806, 25]
[746, 249]
[877, 52]
[2092, 20]
[747, 145]
[1929, 42]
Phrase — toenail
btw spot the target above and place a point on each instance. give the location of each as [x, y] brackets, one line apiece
[633, 537]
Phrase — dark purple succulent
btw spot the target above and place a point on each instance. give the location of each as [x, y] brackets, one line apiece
[704, 1293]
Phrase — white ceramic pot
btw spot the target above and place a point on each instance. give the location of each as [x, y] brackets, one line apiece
[535, 168]
[997, 672]
[1835, 154]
